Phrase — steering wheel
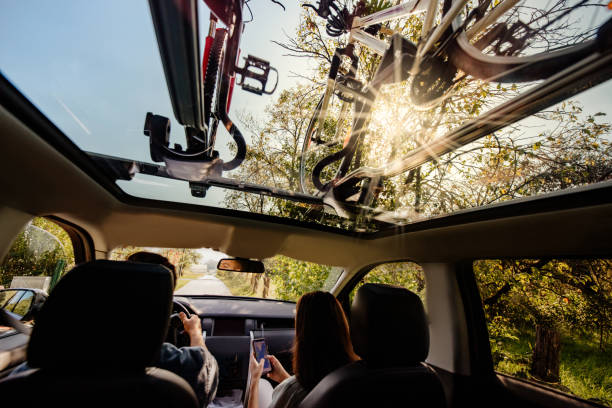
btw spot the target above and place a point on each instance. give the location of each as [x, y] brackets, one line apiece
[176, 332]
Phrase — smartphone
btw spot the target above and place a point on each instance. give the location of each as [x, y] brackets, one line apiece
[261, 351]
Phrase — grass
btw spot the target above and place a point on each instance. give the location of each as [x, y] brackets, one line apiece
[584, 370]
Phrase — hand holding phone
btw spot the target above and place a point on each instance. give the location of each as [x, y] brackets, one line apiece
[278, 373]
[260, 349]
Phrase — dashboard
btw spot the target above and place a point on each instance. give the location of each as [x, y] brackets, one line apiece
[229, 325]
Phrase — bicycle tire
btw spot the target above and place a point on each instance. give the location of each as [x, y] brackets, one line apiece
[472, 61]
[212, 68]
[306, 143]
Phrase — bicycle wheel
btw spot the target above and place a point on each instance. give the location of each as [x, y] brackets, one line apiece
[323, 139]
[212, 67]
[310, 130]
[529, 41]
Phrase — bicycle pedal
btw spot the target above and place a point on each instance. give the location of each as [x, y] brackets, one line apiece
[258, 70]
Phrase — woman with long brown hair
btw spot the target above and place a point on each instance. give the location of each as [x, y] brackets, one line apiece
[322, 344]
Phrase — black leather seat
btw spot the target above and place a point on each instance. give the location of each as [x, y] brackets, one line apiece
[99, 330]
[389, 331]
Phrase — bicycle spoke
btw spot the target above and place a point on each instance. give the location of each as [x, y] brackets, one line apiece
[490, 18]
[441, 28]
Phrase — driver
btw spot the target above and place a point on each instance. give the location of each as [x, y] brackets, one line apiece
[195, 363]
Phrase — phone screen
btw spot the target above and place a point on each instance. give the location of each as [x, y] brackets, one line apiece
[261, 351]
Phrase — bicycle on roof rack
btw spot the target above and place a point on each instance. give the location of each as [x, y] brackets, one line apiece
[484, 39]
[201, 92]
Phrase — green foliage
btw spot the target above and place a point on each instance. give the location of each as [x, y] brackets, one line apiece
[294, 278]
[59, 233]
[181, 258]
[36, 251]
[403, 274]
[284, 278]
[22, 307]
[572, 296]
[585, 370]
[122, 253]
[240, 284]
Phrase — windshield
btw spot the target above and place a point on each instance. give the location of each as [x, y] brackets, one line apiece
[197, 275]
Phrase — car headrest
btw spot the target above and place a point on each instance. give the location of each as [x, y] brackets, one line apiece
[103, 315]
[388, 326]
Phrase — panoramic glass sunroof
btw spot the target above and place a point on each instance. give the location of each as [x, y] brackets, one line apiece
[431, 144]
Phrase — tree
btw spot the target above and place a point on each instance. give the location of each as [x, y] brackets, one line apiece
[181, 258]
[284, 278]
[122, 253]
[292, 278]
[553, 295]
[276, 142]
[37, 251]
[403, 274]
[555, 149]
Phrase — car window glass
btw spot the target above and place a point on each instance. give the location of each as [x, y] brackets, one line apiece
[10, 305]
[40, 254]
[284, 278]
[22, 307]
[408, 275]
[6, 296]
[550, 320]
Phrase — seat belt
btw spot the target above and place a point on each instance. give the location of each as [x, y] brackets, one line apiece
[6, 319]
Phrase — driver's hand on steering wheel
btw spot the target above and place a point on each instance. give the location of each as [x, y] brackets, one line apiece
[193, 327]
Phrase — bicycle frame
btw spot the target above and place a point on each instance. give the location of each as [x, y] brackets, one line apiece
[230, 14]
[430, 8]
[430, 37]
[584, 63]
[358, 35]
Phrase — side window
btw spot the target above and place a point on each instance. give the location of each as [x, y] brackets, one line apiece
[39, 256]
[25, 302]
[407, 275]
[8, 297]
[13, 298]
[549, 321]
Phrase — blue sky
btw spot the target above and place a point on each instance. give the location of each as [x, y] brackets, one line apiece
[93, 68]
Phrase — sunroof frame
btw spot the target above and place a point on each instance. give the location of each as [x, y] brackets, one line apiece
[20, 107]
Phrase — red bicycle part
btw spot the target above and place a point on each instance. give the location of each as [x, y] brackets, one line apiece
[231, 86]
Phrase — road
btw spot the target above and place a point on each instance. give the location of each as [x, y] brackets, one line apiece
[206, 285]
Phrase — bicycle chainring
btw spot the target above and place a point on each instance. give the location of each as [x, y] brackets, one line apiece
[434, 79]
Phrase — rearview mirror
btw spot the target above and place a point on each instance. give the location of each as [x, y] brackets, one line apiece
[241, 265]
